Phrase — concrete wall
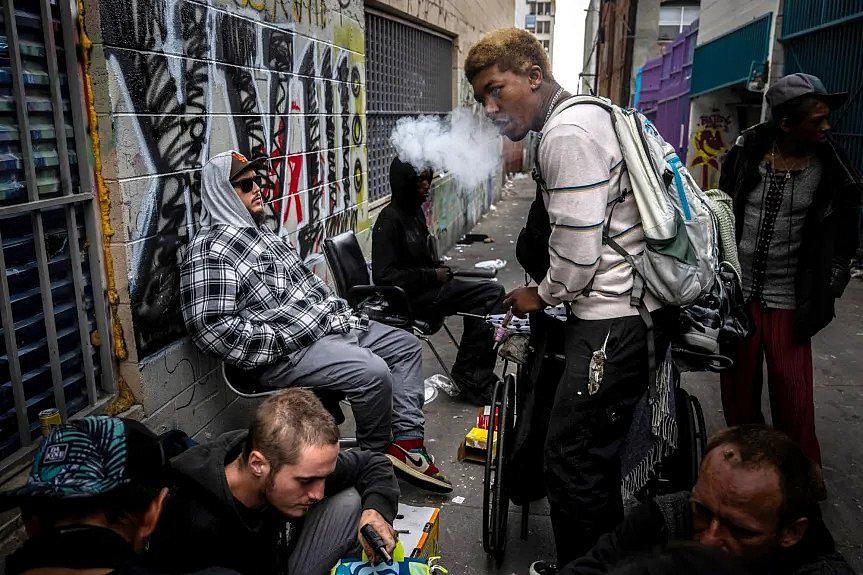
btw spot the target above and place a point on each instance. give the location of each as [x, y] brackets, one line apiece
[591, 26]
[646, 43]
[718, 17]
[176, 81]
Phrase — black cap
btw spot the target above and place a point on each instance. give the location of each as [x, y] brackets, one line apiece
[793, 86]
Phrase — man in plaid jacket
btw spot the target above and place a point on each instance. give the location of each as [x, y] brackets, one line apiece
[249, 300]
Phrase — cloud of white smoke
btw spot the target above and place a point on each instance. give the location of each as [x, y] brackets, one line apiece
[463, 143]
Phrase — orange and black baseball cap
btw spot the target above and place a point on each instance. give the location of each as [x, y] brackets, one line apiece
[240, 165]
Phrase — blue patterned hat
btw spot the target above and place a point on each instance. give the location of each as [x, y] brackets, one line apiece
[92, 456]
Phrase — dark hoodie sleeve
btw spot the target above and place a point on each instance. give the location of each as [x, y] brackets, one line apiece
[639, 531]
[372, 475]
[387, 270]
[848, 233]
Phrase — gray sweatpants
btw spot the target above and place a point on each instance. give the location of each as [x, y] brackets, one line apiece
[328, 533]
[380, 373]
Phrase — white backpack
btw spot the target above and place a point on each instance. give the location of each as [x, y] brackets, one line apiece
[681, 257]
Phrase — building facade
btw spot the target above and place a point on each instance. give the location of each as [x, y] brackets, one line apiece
[537, 17]
[623, 34]
[742, 47]
[587, 84]
[664, 87]
[735, 52]
[145, 91]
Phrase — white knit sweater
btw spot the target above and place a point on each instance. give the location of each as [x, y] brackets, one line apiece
[581, 162]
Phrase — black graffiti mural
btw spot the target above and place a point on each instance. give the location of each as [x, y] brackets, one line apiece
[194, 81]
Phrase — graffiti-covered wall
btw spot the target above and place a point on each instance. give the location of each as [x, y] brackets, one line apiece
[185, 80]
[177, 81]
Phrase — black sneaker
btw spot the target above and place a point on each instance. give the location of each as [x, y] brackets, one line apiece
[542, 568]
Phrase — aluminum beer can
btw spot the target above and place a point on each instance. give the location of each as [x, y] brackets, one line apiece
[49, 418]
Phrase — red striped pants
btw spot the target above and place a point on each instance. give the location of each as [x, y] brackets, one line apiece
[789, 379]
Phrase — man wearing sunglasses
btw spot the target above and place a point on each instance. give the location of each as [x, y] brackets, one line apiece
[249, 300]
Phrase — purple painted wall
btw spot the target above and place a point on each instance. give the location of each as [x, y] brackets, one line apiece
[665, 83]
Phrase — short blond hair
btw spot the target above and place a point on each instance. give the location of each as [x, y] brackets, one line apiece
[285, 423]
[509, 48]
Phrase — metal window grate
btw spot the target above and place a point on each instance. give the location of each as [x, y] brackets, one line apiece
[801, 17]
[408, 72]
[49, 234]
[814, 52]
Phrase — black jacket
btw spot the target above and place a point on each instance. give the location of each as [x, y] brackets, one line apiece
[669, 518]
[401, 244]
[831, 233]
[84, 548]
[203, 524]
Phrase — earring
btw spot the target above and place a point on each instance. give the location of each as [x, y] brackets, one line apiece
[146, 545]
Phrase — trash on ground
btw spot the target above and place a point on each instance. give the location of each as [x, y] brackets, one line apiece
[468, 239]
[443, 383]
[490, 264]
[430, 393]
[458, 500]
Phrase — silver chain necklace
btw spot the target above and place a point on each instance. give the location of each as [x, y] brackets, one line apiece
[551, 106]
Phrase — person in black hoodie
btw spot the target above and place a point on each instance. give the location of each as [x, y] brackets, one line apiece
[279, 499]
[93, 498]
[756, 498]
[403, 256]
[797, 214]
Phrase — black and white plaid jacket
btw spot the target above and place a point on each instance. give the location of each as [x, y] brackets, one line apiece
[249, 300]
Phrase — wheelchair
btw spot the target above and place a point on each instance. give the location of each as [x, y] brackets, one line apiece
[676, 472]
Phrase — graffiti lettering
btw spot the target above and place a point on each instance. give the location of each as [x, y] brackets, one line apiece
[312, 11]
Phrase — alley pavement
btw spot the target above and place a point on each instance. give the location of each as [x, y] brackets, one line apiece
[838, 401]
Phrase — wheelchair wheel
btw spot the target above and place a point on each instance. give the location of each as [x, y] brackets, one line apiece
[495, 499]
[700, 430]
[691, 442]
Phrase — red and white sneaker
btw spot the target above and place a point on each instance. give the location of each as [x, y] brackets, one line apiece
[412, 462]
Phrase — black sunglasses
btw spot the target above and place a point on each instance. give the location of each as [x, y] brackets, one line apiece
[247, 184]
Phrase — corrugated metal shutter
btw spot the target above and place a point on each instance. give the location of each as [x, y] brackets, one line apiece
[408, 72]
[50, 242]
[811, 32]
[727, 60]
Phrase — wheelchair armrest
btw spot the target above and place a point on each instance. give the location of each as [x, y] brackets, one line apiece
[394, 295]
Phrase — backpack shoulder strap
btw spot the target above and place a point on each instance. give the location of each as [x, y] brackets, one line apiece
[585, 99]
[566, 104]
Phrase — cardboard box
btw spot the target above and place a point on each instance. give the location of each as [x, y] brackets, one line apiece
[423, 528]
[473, 446]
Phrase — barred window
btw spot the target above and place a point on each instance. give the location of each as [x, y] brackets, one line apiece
[52, 305]
[409, 71]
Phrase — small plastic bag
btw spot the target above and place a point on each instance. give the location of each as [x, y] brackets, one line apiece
[444, 384]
